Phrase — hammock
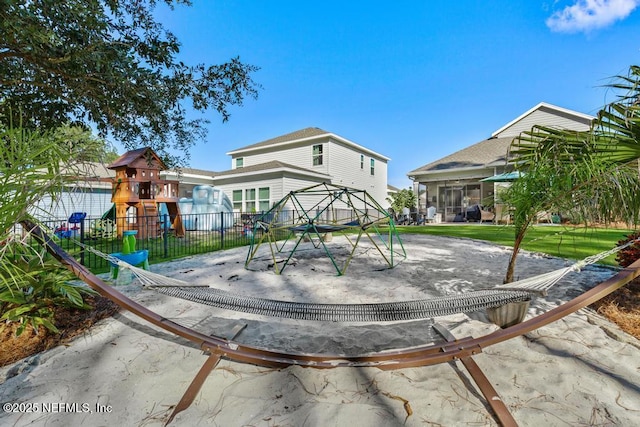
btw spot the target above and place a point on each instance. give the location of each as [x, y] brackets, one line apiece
[455, 349]
[497, 296]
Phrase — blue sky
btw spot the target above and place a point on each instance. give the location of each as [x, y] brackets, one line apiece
[412, 80]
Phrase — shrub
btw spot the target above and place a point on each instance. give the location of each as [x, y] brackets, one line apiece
[629, 255]
[33, 287]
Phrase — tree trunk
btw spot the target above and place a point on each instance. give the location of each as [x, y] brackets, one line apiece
[514, 255]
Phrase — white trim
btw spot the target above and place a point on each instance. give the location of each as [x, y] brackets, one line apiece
[537, 107]
[469, 168]
[310, 138]
[187, 175]
[267, 171]
[434, 177]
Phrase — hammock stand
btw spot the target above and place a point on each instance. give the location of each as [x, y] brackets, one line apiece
[455, 349]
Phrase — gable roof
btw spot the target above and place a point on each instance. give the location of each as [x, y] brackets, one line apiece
[265, 167]
[306, 134]
[191, 171]
[133, 155]
[490, 152]
[543, 105]
[299, 135]
[493, 151]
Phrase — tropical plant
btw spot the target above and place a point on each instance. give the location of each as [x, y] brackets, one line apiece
[111, 66]
[42, 286]
[33, 165]
[593, 174]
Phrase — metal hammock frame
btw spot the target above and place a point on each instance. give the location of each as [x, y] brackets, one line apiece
[454, 349]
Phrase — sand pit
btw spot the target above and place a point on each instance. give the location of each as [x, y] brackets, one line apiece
[580, 370]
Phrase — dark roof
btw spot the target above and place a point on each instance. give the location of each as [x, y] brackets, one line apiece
[274, 164]
[293, 136]
[484, 153]
[133, 155]
[194, 171]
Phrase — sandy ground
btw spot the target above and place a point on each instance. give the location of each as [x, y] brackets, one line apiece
[580, 370]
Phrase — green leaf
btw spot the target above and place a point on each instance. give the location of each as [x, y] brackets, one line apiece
[41, 321]
[16, 313]
[71, 293]
[21, 329]
[13, 297]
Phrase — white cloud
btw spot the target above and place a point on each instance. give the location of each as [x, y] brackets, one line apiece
[587, 15]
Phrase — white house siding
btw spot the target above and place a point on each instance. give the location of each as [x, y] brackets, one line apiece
[344, 166]
[291, 183]
[550, 118]
[187, 181]
[243, 183]
[95, 203]
[300, 155]
[341, 162]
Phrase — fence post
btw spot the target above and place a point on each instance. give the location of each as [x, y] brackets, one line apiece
[221, 230]
[165, 235]
[82, 241]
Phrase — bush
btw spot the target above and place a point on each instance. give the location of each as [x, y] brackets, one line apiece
[33, 287]
[629, 255]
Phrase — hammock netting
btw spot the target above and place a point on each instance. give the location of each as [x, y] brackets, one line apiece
[392, 311]
[375, 312]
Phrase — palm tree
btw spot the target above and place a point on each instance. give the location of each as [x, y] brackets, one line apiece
[592, 175]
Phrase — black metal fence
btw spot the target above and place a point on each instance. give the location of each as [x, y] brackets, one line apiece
[163, 238]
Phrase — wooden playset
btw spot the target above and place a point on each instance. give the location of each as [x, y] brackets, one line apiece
[137, 192]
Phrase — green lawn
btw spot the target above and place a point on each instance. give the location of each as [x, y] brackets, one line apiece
[566, 242]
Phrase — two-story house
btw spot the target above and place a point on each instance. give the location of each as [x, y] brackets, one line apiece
[263, 173]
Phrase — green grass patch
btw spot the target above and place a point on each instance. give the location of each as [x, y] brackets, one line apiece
[192, 243]
[560, 241]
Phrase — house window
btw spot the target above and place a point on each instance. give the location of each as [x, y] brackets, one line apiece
[237, 199]
[239, 162]
[263, 199]
[317, 155]
[250, 200]
[373, 167]
[361, 161]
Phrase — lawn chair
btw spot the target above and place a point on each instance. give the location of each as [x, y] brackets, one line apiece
[503, 215]
[431, 214]
[405, 218]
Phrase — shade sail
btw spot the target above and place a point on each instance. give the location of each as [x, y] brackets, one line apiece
[503, 177]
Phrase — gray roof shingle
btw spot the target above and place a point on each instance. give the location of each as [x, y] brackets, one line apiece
[481, 154]
[262, 167]
[293, 136]
[194, 171]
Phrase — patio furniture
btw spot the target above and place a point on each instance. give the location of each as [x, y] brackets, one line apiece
[502, 214]
[431, 214]
[477, 214]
